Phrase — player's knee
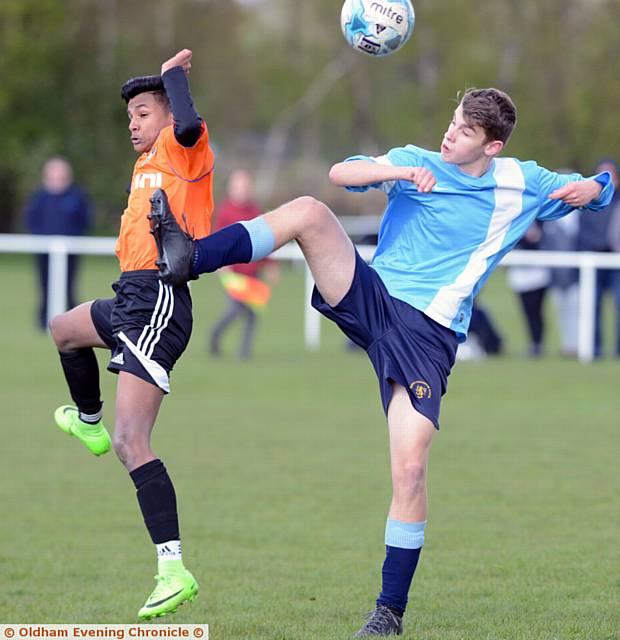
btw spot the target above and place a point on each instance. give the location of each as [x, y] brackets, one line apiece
[312, 212]
[120, 448]
[60, 332]
[124, 444]
[130, 447]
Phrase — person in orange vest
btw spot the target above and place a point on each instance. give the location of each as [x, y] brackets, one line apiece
[147, 324]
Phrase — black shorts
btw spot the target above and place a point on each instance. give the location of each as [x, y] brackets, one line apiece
[404, 345]
[147, 325]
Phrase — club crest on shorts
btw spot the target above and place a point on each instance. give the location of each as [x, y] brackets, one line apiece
[421, 389]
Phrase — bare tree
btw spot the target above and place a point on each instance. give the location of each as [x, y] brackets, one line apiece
[279, 133]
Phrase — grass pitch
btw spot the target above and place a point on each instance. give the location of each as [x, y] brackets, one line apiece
[281, 472]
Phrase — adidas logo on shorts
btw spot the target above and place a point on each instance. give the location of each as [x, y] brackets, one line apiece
[118, 359]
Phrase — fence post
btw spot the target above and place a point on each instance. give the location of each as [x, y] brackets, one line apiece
[312, 318]
[57, 277]
[587, 288]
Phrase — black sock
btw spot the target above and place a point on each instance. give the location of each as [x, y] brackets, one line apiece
[158, 501]
[82, 375]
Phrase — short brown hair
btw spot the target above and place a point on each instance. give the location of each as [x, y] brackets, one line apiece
[491, 109]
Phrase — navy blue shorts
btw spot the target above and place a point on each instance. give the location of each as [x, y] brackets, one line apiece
[147, 325]
[404, 345]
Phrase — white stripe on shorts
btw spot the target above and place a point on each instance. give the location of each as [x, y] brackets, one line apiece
[162, 313]
[155, 370]
[164, 321]
[146, 330]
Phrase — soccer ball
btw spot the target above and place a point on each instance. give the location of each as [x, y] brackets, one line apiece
[377, 27]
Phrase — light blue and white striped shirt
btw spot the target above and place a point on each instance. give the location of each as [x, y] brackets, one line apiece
[437, 249]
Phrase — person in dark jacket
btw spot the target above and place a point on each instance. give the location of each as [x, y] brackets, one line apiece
[531, 284]
[59, 207]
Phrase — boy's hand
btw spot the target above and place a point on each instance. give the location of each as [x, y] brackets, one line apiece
[421, 177]
[578, 194]
[182, 59]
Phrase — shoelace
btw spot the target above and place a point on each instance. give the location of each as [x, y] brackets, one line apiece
[378, 618]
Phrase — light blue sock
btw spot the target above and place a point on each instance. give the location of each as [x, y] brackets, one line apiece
[261, 237]
[406, 535]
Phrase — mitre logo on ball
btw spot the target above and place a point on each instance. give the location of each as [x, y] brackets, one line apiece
[377, 27]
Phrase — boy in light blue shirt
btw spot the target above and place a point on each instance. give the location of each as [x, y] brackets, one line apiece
[451, 217]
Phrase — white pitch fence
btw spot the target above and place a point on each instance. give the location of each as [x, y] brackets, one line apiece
[59, 247]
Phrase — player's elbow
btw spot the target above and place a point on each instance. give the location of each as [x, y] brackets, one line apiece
[188, 134]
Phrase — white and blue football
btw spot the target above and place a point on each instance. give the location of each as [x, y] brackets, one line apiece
[377, 27]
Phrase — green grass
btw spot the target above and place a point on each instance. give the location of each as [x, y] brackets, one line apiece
[281, 472]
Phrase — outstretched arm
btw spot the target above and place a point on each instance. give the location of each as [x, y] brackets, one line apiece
[187, 123]
[562, 193]
[578, 194]
[360, 173]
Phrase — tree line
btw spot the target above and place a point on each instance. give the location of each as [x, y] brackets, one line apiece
[282, 94]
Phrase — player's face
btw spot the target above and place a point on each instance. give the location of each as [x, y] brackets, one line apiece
[466, 145]
[240, 186]
[147, 117]
[57, 175]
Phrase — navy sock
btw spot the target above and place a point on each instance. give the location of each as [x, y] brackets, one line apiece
[229, 245]
[397, 573]
[157, 501]
[403, 543]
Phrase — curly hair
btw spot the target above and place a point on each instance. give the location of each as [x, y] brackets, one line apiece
[492, 110]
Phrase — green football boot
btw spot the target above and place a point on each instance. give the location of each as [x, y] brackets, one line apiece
[94, 436]
[175, 586]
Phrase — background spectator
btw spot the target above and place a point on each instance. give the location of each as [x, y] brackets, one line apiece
[483, 326]
[531, 283]
[247, 294]
[59, 207]
[599, 232]
[483, 337]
